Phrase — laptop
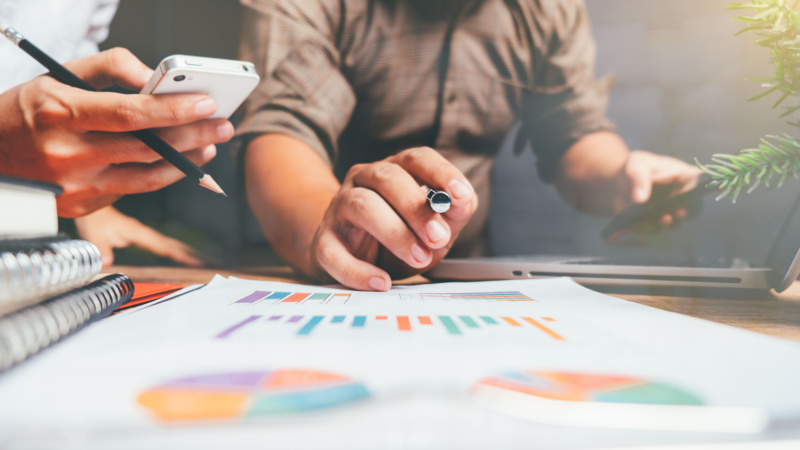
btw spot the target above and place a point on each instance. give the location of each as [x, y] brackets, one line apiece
[780, 268]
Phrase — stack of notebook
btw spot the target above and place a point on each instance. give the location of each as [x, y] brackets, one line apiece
[49, 284]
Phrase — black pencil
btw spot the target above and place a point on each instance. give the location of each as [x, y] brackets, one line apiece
[152, 140]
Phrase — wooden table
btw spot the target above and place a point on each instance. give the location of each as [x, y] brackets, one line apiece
[764, 312]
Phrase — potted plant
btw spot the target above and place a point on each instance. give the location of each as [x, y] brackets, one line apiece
[777, 25]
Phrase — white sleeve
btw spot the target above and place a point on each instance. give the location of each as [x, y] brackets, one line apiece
[65, 30]
[97, 30]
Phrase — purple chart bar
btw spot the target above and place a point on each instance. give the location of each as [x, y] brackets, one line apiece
[295, 319]
[230, 330]
[254, 297]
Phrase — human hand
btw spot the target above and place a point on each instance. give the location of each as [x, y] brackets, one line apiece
[107, 228]
[53, 132]
[379, 224]
[649, 176]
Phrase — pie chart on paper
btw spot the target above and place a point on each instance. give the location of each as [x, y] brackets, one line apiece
[611, 401]
[592, 388]
[241, 395]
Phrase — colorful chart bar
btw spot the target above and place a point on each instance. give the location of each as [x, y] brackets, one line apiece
[230, 330]
[424, 320]
[310, 325]
[359, 321]
[511, 322]
[254, 297]
[538, 325]
[488, 320]
[468, 321]
[295, 298]
[322, 296]
[295, 319]
[337, 319]
[403, 323]
[278, 295]
[275, 318]
[451, 326]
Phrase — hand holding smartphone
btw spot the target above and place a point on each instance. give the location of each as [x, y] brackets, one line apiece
[227, 81]
[656, 207]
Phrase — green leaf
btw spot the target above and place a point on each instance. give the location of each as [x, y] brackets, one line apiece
[723, 194]
[763, 94]
[784, 174]
[780, 100]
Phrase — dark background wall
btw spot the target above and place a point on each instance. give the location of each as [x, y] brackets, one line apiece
[152, 30]
[680, 89]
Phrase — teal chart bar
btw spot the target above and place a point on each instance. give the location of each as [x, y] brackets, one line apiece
[310, 325]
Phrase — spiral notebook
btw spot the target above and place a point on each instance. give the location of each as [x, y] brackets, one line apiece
[32, 329]
[33, 270]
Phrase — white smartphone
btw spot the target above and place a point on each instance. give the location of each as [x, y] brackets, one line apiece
[227, 81]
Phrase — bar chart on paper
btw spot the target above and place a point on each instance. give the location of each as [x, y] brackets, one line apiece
[507, 296]
[332, 298]
[275, 297]
[446, 325]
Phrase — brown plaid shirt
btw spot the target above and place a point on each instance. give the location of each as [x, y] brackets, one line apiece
[359, 80]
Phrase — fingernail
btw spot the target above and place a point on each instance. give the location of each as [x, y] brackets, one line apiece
[639, 195]
[436, 231]
[209, 152]
[459, 189]
[205, 107]
[377, 284]
[419, 253]
[225, 131]
[147, 75]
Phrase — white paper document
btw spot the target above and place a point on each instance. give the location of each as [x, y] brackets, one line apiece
[240, 364]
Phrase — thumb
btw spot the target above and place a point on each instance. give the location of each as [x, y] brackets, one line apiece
[641, 184]
[106, 252]
[117, 66]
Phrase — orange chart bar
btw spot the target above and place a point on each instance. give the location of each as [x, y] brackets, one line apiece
[403, 324]
[381, 317]
[538, 325]
[295, 298]
[511, 322]
[338, 299]
[424, 320]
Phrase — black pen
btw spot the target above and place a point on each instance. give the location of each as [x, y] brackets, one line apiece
[152, 140]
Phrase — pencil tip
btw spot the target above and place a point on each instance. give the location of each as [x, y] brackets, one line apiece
[209, 183]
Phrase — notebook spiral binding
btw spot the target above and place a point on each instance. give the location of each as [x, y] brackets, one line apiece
[32, 329]
[33, 270]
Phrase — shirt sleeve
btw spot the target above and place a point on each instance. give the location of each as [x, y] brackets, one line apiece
[567, 102]
[302, 92]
